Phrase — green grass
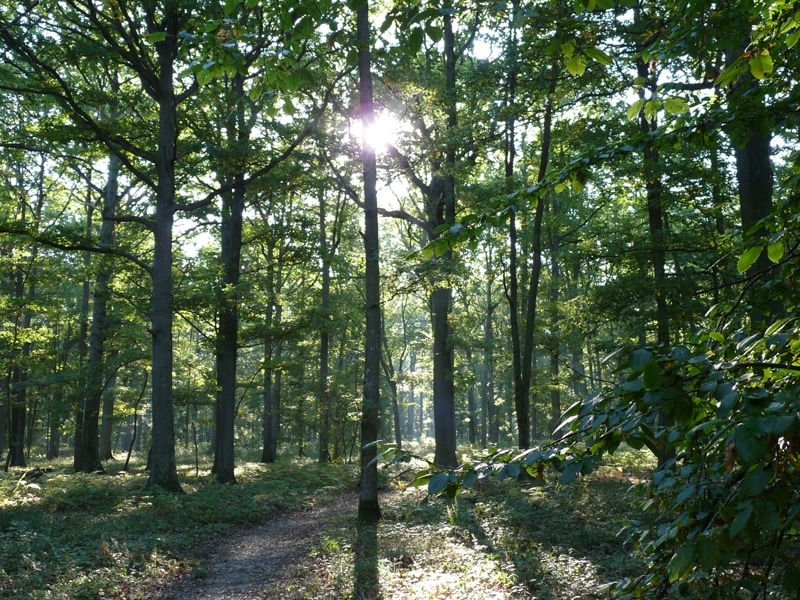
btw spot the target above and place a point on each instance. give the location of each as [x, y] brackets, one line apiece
[78, 536]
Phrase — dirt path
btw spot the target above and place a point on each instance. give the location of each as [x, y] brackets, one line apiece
[255, 562]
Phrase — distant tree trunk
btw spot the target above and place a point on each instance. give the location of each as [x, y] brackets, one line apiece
[16, 436]
[524, 347]
[387, 362]
[79, 447]
[95, 378]
[555, 343]
[4, 414]
[107, 419]
[490, 432]
[323, 387]
[54, 425]
[272, 358]
[472, 409]
[368, 508]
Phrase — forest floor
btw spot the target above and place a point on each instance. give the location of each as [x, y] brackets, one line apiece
[272, 559]
[288, 531]
[495, 544]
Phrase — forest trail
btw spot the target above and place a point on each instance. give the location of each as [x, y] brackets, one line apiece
[261, 561]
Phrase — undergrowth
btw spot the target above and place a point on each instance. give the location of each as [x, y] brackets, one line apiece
[503, 540]
[76, 536]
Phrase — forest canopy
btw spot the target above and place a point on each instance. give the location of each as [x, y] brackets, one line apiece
[580, 222]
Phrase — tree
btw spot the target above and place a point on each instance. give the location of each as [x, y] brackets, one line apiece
[368, 508]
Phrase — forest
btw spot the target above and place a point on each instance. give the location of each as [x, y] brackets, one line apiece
[480, 243]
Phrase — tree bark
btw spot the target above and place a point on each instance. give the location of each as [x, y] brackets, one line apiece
[368, 508]
[163, 472]
[272, 374]
[323, 387]
[90, 435]
[227, 349]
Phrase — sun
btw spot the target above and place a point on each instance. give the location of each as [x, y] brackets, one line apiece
[381, 134]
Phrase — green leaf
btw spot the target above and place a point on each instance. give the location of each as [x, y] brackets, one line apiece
[676, 106]
[470, 479]
[598, 55]
[750, 443]
[766, 513]
[681, 562]
[756, 481]
[437, 483]
[775, 251]
[761, 64]
[634, 109]
[641, 358]
[571, 472]
[414, 41]
[741, 519]
[576, 65]
[707, 554]
[156, 36]
[776, 424]
[747, 259]
[652, 377]
[651, 108]
[731, 73]
[230, 6]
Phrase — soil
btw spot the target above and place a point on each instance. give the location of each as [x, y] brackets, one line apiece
[256, 562]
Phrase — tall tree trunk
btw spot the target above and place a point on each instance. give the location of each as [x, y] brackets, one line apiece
[368, 508]
[163, 471]
[655, 212]
[490, 432]
[523, 338]
[272, 374]
[79, 447]
[441, 299]
[232, 176]
[555, 340]
[323, 387]
[90, 435]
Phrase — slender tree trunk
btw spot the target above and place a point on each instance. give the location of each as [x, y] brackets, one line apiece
[489, 430]
[271, 410]
[90, 436]
[555, 344]
[79, 447]
[323, 386]
[233, 202]
[472, 409]
[368, 508]
[107, 419]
